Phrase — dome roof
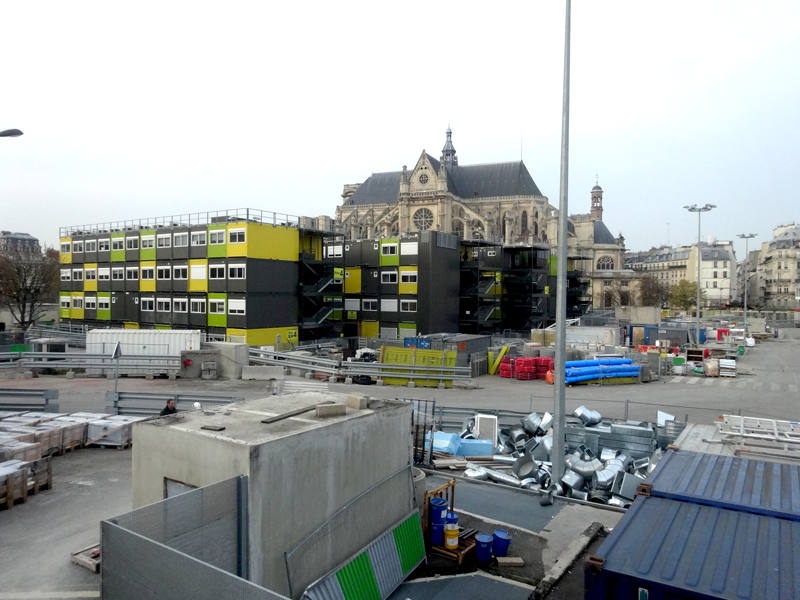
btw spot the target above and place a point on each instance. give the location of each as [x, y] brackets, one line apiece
[597, 188]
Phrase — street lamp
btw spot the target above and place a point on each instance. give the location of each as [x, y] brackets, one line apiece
[699, 210]
[10, 133]
[746, 238]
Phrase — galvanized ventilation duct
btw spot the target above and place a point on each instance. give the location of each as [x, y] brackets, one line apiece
[589, 417]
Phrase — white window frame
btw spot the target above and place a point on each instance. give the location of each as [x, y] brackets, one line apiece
[65, 302]
[162, 271]
[66, 247]
[389, 249]
[198, 238]
[77, 302]
[90, 302]
[213, 269]
[103, 273]
[237, 306]
[77, 247]
[406, 306]
[369, 305]
[180, 305]
[194, 270]
[118, 271]
[164, 240]
[215, 303]
[236, 269]
[103, 303]
[147, 305]
[216, 237]
[77, 274]
[177, 238]
[66, 274]
[90, 246]
[120, 241]
[147, 274]
[129, 271]
[389, 305]
[408, 275]
[132, 243]
[180, 273]
[104, 245]
[237, 236]
[195, 303]
[148, 242]
[163, 304]
[388, 275]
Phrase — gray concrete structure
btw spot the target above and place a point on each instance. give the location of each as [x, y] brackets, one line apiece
[303, 470]
[233, 358]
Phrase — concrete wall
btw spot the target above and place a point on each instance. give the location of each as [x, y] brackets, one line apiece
[233, 358]
[639, 314]
[160, 452]
[299, 482]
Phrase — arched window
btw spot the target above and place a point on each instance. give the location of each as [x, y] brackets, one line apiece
[535, 228]
[524, 222]
[605, 263]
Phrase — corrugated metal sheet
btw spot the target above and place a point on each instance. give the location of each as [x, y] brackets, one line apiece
[410, 546]
[692, 550]
[755, 486]
[703, 438]
[142, 341]
[357, 579]
[386, 564]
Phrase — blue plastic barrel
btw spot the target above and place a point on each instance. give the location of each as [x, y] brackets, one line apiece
[438, 509]
[500, 542]
[451, 518]
[484, 549]
[437, 534]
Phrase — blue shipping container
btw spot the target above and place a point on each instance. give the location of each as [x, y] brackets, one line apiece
[755, 486]
[669, 549]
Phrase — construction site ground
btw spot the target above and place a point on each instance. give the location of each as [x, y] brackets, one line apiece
[92, 484]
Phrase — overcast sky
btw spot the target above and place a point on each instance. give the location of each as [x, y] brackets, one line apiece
[147, 109]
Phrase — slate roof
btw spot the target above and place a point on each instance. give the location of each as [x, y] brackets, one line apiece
[470, 181]
[602, 235]
[708, 253]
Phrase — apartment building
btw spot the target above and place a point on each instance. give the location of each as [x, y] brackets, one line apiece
[240, 275]
[778, 271]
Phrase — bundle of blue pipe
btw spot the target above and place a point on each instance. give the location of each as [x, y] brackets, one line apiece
[604, 368]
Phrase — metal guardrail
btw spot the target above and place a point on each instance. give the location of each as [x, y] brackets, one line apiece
[141, 404]
[452, 419]
[77, 360]
[294, 360]
[29, 400]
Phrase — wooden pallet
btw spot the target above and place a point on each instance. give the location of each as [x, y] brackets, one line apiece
[72, 446]
[89, 557]
[458, 555]
[446, 491]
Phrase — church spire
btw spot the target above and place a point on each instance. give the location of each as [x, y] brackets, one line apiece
[449, 151]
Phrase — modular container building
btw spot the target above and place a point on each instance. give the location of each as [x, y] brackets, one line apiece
[667, 549]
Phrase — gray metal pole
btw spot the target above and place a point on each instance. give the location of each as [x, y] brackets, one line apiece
[699, 261]
[559, 407]
[746, 239]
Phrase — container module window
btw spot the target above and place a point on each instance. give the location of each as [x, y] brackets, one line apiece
[118, 244]
[389, 277]
[198, 272]
[91, 246]
[147, 304]
[163, 273]
[91, 303]
[237, 272]
[118, 274]
[389, 250]
[370, 305]
[410, 277]
[66, 248]
[180, 273]
[164, 305]
[148, 242]
[148, 273]
[132, 243]
[77, 247]
[408, 306]
[77, 275]
[216, 307]
[77, 302]
[104, 245]
[236, 307]
[66, 275]
[198, 307]
[65, 301]
[91, 274]
[165, 241]
[236, 236]
[180, 305]
[179, 240]
[216, 272]
[132, 274]
[105, 304]
[103, 274]
[216, 237]
[199, 239]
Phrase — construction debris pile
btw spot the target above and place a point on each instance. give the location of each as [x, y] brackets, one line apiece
[605, 458]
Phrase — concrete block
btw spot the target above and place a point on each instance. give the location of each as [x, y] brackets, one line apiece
[27, 375]
[148, 376]
[379, 382]
[357, 401]
[348, 380]
[110, 376]
[262, 373]
[336, 409]
[70, 374]
[309, 375]
[332, 379]
[173, 377]
[411, 384]
[441, 385]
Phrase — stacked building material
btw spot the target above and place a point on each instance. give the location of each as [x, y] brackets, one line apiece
[580, 371]
[543, 365]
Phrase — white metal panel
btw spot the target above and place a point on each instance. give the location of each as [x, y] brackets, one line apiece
[388, 333]
[407, 332]
[159, 342]
[351, 304]
[388, 305]
[409, 248]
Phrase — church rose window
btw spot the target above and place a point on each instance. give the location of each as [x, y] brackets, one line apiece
[423, 179]
[605, 263]
[423, 219]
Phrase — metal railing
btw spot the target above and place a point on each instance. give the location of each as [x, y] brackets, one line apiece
[143, 404]
[29, 400]
[294, 361]
[61, 360]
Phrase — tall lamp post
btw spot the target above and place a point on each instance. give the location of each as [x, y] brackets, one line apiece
[10, 133]
[699, 210]
[746, 238]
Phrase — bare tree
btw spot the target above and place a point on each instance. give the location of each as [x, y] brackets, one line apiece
[653, 292]
[617, 295]
[28, 281]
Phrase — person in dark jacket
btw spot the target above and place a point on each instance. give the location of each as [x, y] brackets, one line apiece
[169, 409]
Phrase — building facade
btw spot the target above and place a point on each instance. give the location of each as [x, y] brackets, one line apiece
[245, 275]
[22, 242]
[778, 271]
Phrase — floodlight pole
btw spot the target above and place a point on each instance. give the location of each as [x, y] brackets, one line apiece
[746, 238]
[559, 408]
[699, 210]
[10, 133]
